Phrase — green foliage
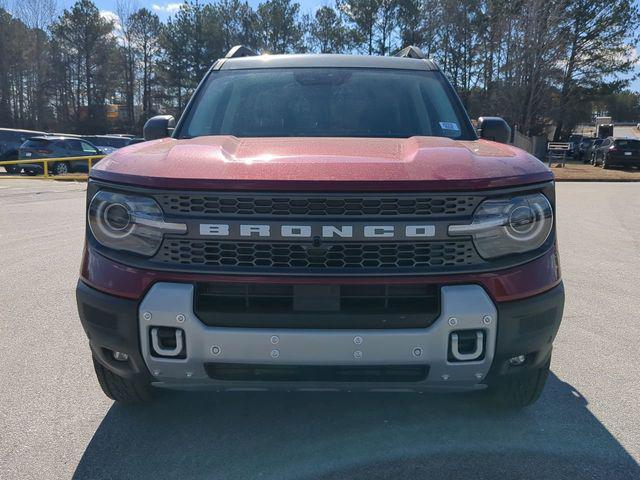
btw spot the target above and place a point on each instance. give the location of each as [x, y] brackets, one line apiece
[86, 45]
[329, 34]
[538, 63]
[623, 106]
[279, 26]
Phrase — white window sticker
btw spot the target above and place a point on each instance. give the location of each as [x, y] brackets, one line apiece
[453, 126]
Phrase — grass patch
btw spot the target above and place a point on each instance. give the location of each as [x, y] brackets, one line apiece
[578, 172]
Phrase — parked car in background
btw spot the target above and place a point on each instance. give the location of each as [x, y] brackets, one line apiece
[591, 154]
[618, 152]
[574, 141]
[10, 141]
[135, 140]
[584, 148]
[56, 147]
[107, 143]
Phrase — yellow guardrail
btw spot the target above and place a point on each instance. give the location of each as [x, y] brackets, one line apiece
[47, 161]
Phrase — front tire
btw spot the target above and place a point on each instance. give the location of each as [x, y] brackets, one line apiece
[523, 390]
[120, 389]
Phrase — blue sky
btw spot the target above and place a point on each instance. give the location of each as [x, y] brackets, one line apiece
[164, 8]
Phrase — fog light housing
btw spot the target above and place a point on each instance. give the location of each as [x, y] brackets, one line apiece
[517, 361]
[120, 356]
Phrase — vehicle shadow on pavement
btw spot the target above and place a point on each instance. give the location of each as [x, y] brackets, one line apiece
[273, 435]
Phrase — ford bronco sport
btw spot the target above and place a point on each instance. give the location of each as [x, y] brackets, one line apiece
[322, 222]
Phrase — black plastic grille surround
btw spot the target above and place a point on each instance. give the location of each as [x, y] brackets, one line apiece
[318, 205]
[266, 305]
[278, 255]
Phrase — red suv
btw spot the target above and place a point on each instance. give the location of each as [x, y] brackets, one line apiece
[322, 222]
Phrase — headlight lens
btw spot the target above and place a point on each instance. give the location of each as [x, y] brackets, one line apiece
[128, 222]
[506, 226]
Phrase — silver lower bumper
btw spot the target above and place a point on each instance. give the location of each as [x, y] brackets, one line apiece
[464, 307]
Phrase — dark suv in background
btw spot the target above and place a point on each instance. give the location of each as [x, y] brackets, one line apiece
[56, 147]
[10, 141]
[618, 152]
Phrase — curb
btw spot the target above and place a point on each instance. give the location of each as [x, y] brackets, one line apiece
[599, 180]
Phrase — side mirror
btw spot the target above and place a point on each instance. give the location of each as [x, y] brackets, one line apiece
[160, 126]
[494, 128]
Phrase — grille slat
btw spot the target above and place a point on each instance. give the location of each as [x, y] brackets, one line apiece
[275, 255]
[318, 206]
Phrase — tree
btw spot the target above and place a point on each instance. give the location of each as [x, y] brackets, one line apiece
[387, 22]
[598, 47]
[9, 62]
[238, 22]
[622, 106]
[328, 32]
[145, 30]
[87, 46]
[459, 44]
[125, 10]
[538, 63]
[191, 42]
[173, 64]
[37, 16]
[363, 14]
[279, 26]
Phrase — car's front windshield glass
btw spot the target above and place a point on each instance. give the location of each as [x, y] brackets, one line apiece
[326, 102]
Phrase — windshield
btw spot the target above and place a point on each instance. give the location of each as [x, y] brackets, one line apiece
[323, 102]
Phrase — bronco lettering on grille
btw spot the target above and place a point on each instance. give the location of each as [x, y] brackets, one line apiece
[390, 231]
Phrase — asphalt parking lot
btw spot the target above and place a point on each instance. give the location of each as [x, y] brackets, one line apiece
[55, 422]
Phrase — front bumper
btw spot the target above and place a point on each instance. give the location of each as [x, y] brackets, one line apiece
[523, 327]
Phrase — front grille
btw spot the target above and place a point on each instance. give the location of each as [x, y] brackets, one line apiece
[316, 306]
[243, 233]
[318, 205]
[341, 256]
[293, 256]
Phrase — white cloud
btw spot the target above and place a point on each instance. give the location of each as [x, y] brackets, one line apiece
[117, 26]
[111, 16]
[167, 7]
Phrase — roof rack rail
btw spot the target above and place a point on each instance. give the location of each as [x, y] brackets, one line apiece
[240, 51]
[411, 52]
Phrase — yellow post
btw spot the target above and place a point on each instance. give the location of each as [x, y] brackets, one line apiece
[46, 168]
[90, 164]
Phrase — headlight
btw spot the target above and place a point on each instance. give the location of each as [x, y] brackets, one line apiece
[128, 222]
[506, 226]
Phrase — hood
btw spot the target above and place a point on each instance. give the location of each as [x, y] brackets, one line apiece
[356, 164]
